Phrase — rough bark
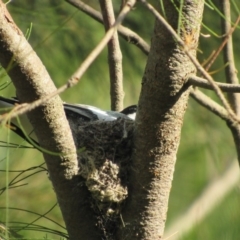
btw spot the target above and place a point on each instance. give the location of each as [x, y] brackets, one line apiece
[161, 108]
[51, 127]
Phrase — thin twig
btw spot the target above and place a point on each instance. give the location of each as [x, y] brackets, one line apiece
[230, 70]
[114, 58]
[92, 56]
[228, 35]
[203, 83]
[129, 35]
[218, 110]
[208, 103]
[74, 79]
[193, 59]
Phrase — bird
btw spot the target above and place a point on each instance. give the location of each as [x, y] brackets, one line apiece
[92, 113]
[80, 112]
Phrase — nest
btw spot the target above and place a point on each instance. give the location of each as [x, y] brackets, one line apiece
[104, 154]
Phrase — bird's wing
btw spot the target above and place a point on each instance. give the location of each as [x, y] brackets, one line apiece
[80, 112]
[89, 112]
[8, 102]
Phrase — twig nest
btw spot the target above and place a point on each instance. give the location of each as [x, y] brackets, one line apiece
[104, 154]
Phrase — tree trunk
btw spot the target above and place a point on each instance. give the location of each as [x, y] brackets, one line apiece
[161, 108]
[32, 82]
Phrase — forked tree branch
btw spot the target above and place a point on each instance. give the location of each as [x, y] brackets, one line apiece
[129, 35]
[74, 79]
[32, 82]
[234, 120]
[162, 105]
[193, 60]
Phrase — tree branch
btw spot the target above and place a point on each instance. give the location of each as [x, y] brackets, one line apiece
[216, 53]
[129, 35]
[114, 58]
[203, 83]
[74, 79]
[33, 82]
[161, 109]
[51, 127]
[215, 108]
[187, 44]
[230, 70]
[209, 104]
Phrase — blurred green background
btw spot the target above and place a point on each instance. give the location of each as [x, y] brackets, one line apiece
[62, 36]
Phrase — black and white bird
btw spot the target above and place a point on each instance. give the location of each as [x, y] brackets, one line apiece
[91, 113]
[85, 113]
